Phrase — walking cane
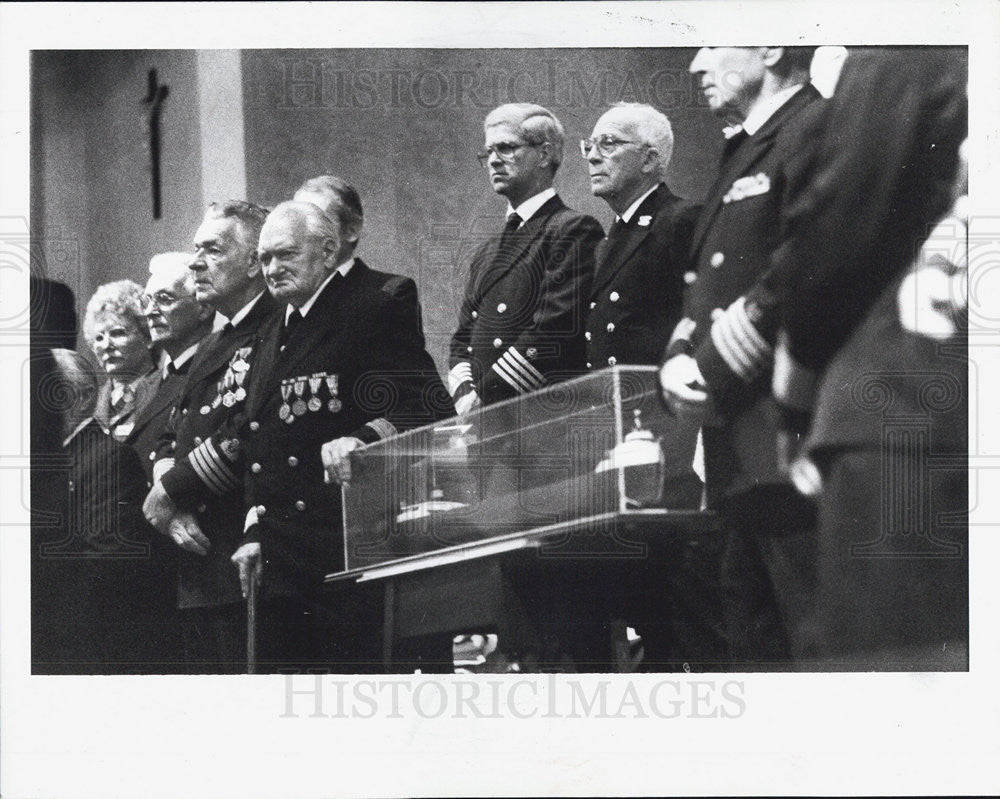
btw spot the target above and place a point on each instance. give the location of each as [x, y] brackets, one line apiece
[252, 595]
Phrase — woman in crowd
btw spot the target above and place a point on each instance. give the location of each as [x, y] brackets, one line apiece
[116, 331]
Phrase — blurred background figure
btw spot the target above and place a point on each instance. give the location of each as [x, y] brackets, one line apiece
[116, 331]
[95, 604]
[871, 370]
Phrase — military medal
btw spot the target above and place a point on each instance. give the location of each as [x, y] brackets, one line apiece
[315, 403]
[240, 392]
[286, 392]
[334, 405]
[299, 406]
[229, 399]
[205, 410]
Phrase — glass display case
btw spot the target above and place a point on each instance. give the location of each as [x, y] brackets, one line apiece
[594, 449]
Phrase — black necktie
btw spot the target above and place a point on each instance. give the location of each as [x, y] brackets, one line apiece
[733, 143]
[616, 231]
[293, 321]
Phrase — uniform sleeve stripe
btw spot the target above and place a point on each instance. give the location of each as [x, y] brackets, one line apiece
[459, 374]
[731, 354]
[526, 366]
[513, 367]
[161, 467]
[211, 468]
[513, 380]
[738, 315]
[383, 427]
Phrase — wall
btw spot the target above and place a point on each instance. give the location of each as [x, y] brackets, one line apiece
[404, 126]
[91, 200]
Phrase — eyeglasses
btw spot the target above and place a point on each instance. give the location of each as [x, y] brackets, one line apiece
[606, 145]
[504, 149]
[160, 299]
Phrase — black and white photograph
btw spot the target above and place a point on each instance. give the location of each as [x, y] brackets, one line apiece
[600, 387]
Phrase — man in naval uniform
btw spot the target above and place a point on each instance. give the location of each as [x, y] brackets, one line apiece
[343, 363]
[520, 325]
[178, 323]
[199, 506]
[638, 288]
[718, 362]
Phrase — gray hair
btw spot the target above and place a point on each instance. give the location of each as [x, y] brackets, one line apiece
[123, 298]
[651, 127]
[77, 384]
[175, 264]
[534, 123]
[340, 201]
[316, 221]
[250, 217]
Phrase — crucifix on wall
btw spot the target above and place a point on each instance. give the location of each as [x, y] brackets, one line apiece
[155, 95]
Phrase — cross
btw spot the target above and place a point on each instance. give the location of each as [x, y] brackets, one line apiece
[155, 96]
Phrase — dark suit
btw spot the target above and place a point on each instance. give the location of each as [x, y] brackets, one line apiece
[358, 366]
[889, 425]
[638, 288]
[102, 602]
[151, 421]
[208, 586]
[520, 325]
[739, 228]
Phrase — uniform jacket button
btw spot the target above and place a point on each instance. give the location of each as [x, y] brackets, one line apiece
[152, 455]
[468, 349]
[717, 259]
[261, 510]
[612, 360]
[255, 468]
[300, 505]
[197, 441]
[293, 461]
[614, 296]
[690, 277]
[531, 352]
[475, 314]
[173, 445]
[593, 305]
[587, 335]
[202, 507]
[590, 365]
[611, 327]
[501, 307]
[254, 426]
[497, 343]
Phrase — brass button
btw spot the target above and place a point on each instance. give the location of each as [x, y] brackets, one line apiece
[614, 296]
[497, 343]
[300, 505]
[293, 461]
[468, 349]
[593, 305]
[590, 365]
[255, 468]
[531, 352]
[717, 259]
[254, 426]
[502, 307]
[611, 327]
[197, 441]
[612, 360]
[587, 335]
[475, 314]
[690, 277]
[152, 455]
[202, 507]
